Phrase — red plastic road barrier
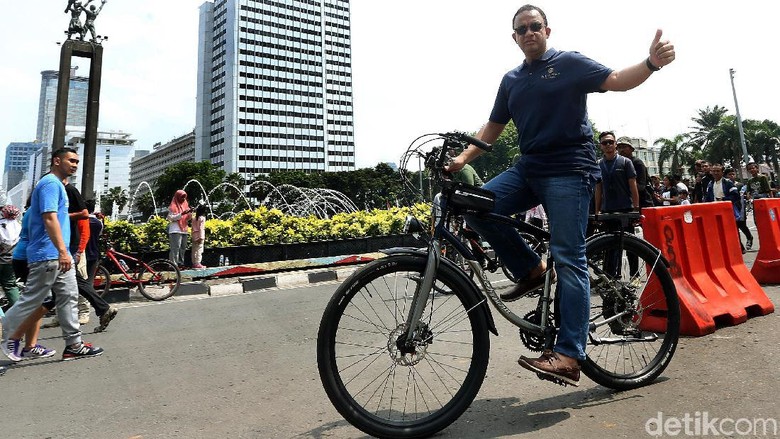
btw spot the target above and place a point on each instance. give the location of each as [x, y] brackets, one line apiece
[713, 283]
[766, 269]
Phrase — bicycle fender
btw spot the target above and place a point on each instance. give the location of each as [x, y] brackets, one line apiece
[473, 291]
[404, 251]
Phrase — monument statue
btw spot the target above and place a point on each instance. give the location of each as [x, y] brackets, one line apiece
[75, 7]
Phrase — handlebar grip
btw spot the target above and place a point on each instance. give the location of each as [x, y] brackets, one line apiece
[474, 141]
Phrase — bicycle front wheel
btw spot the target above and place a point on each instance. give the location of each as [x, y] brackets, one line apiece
[635, 313]
[102, 282]
[384, 386]
[159, 279]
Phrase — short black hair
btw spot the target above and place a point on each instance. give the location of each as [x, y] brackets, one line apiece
[61, 152]
[606, 133]
[526, 8]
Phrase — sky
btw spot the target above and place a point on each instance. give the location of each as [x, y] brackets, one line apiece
[418, 66]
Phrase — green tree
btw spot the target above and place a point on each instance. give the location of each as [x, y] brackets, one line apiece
[706, 121]
[723, 143]
[114, 195]
[763, 141]
[505, 153]
[178, 175]
[676, 150]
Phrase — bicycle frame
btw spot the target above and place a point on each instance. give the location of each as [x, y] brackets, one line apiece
[114, 256]
[441, 232]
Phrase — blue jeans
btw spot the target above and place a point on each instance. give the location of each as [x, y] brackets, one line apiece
[566, 199]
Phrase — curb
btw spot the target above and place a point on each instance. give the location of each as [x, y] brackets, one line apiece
[249, 284]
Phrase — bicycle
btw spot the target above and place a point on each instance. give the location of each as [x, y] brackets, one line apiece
[156, 280]
[403, 345]
[474, 242]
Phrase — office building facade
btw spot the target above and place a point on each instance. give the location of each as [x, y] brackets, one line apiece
[17, 162]
[149, 167]
[275, 86]
[77, 103]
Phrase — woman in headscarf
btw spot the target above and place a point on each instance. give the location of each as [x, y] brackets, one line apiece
[178, 216]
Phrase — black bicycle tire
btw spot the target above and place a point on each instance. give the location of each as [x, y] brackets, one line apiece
[335, 388]
[661, 360]
[102, 272]
[171, 292]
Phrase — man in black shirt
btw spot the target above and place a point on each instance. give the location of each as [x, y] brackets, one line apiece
[626, 149]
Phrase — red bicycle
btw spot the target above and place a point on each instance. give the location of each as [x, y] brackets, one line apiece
[156, 280]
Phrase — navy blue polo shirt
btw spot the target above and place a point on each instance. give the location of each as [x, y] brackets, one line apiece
[547, 100]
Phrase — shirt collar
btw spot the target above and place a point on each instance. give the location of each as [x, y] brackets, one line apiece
[544, 58]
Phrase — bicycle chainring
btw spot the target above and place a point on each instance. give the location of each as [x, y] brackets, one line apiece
[534, 343]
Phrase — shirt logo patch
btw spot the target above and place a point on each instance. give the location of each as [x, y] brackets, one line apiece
[551, 73]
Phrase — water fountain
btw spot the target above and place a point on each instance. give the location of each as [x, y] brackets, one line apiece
[290, 199]
[132, 199]
[238, 191]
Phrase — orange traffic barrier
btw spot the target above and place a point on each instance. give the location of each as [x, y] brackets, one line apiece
[766, 269]
[713, 283]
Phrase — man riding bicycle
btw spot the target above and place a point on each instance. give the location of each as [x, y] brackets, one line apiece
[546, 98]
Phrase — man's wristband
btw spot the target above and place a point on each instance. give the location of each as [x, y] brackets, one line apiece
[651, 66]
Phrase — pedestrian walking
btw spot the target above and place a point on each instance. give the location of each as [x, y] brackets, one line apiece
[50, 262]
[10, 230]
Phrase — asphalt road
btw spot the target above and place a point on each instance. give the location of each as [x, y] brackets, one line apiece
[243, 366]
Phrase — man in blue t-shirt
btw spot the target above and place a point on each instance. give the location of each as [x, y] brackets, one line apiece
[546, 97]
[50, 262]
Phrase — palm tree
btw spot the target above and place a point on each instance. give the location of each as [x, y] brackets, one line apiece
[763, 140]
[707, 120]
[677, 150]
[723, 143]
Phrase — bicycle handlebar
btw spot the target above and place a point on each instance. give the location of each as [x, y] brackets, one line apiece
[463, 137]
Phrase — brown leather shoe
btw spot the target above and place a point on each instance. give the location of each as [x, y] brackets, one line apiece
[549, 366]
[524, 287]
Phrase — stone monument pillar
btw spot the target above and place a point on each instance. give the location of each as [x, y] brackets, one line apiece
[94, 52]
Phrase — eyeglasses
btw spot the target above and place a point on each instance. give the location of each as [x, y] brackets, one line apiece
[607, 142]
[535, 27]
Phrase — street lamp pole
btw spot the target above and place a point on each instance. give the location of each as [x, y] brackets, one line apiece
[739, 120]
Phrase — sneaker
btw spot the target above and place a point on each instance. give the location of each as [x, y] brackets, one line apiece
[549, 367]
[2, 370]
[749, 244]
[37, 351]
[83, 319]
[85, 350]
[106, 318]
[524, 287]
[13, 350]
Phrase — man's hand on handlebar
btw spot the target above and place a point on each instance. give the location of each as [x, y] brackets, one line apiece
[456, 164]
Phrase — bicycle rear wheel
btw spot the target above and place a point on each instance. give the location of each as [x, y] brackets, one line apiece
[635, 313]
[102, 282]
[369, 375]
[160, 281]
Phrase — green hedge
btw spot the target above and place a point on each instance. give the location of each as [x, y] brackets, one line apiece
[269, 226]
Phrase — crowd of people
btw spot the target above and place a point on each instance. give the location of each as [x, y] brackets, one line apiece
[52, 249]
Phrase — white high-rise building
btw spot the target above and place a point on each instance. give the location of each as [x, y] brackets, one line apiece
[275, 86]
